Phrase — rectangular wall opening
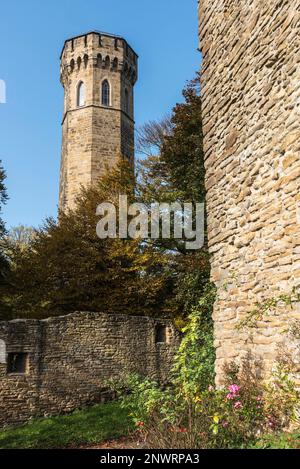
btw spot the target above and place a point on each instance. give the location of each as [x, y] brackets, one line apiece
[17, 363]
[160, 334]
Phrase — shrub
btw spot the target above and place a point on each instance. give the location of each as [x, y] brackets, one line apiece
[192, 413]
[164, 415]
[193, 369]
[232, 417]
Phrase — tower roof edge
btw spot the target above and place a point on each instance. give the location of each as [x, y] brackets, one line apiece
[101, 33]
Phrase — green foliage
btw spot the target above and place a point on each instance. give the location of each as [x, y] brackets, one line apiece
[264, 308]
[193, 369]
[89, 426]
[3, 197]
[192, 373]
[173, 170]
[66, 267]
[279, 441]
[174, 164]
[190, 414]
[182, 150]
[281, 403]
[143, 399]
[63, 266]
[4, 264]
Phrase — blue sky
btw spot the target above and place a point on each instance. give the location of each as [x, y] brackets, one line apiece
[32, 32]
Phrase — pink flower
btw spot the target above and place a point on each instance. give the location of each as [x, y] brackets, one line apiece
[271, 422]
[234, 389]
[238, 405]
[211, 389]
[259, 399]
[225, 424]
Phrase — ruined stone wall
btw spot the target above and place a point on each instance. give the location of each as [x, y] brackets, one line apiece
[94, 135]
[251, 114]
[71, 357]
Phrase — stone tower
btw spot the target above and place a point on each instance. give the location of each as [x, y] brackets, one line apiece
[251, 108]
[98, 73]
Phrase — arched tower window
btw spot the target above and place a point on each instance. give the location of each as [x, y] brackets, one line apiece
[99, 60]
[115, 63]
[126, 104]
[72, 65]
[107, 62]
[81, 94]
[105, 93]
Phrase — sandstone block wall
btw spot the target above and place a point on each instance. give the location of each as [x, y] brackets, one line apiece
[251, 114]
[70, 358]
[93, 135]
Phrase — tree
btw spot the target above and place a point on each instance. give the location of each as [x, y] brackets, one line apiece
[173, 147]
[4, 264]
[3, 197]
[67, 268]
[173, 170]
[21, 236]
[182, 150]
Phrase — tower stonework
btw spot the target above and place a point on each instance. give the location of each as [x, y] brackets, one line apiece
[251, 111]
[98, 73]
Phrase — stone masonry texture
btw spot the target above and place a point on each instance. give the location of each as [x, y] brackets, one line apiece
[70, 359]
[94, 136]
[251, 113]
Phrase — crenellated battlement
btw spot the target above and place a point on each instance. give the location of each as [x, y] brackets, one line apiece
[99, 50]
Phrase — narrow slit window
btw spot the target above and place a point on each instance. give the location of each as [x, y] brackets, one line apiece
[126, 101]
[81, 94]
[99, 60]
[105, 93]
[107, 62]
[115, 64]
[17, 363]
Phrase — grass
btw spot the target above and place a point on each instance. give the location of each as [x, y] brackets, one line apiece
[90, 426]
[279, 441]
[96, 425]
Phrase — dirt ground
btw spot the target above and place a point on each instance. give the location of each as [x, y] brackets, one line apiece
[121, 443]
